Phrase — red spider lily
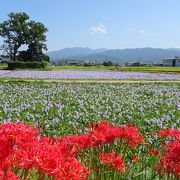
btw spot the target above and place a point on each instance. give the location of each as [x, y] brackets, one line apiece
[154, 152]
[113, 160]
[135, 158]
[131, 135]
[71, 169]
[49, 160]
[170, 163]
[13, 138]
[102, 133]
[23, 147]
[8, 176]
[174, 134]
[18, 132]
[5, 151]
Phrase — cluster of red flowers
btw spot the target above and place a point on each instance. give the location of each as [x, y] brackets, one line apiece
[153, 152]
[113, 160]
[103, 133]
[170, 162]
[23, 146]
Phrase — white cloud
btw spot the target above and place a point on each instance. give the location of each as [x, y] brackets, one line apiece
[141, 31]
[135, 29]
[178, 47]
[100, 29]
[129, 29]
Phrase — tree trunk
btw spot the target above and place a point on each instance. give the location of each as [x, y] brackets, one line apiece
[14, 56]
[15, 52]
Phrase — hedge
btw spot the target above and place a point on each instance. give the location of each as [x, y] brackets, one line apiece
[27, 65]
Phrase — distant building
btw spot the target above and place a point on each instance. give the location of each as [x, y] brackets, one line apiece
[89, 63]
[133, 64]
[171, 62]
[4, 59]
[67, 62]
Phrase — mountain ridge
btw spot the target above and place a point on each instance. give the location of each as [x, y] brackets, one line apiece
[119, 56]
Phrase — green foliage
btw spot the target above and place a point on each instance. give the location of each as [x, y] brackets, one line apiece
[15, 32]
[107, 63]
[87, 65]
[149, 69]
[27, 65]
[36, 41]
[18, 31]
[29, 56]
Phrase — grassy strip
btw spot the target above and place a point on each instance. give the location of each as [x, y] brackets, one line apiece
[117, 68]
[86, 81]
[81, 67]
[151, 69]
[3, 66]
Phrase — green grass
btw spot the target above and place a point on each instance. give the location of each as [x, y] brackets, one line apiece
[151, 69]
[120, 68]
[117, 68]
[3, 66]
[82, 67]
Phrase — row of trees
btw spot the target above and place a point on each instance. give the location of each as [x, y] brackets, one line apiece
[19, 31]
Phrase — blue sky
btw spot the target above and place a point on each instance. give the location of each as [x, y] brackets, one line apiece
[103, 23]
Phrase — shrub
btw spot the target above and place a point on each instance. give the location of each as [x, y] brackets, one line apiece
[107, 63]
[27, 65]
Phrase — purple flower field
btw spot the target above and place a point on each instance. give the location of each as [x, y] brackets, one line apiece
[85, 74]
[3, 72]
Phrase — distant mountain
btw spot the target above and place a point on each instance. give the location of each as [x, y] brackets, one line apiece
[69, 52]
[120, 56]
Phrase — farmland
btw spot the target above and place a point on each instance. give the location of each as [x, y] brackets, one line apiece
[59, 106]
[74, 106]
[67, 109]
[121, 68]
[87, 75]
[117, 68]
[93, 124]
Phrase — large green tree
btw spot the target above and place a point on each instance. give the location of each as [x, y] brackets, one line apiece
[36, 40]
[15, 33]
[18, 30]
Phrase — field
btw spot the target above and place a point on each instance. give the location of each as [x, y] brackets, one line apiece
[59, 106]
[130, 144]
[87, 75]
[121, 68]
[116, 68]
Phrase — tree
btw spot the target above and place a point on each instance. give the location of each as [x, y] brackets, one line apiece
[36, 40]
[27, 56]
[15, 32]
[107, 63]
[18, 31]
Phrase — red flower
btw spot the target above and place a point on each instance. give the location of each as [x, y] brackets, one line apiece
[14, 137]
[131, 135]
[113, 160]
[135, 158]
[174, 134]
[22, 146]
[170, 163]
[153, 152]
[8, 176]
